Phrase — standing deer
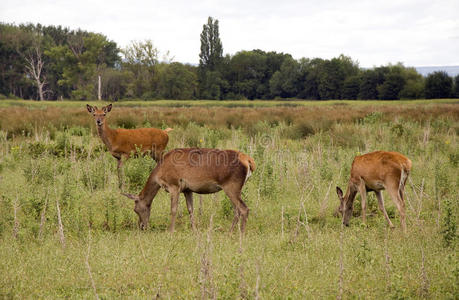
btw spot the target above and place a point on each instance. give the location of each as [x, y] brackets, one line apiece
[198, 170]
[124, 142]
[375, 172]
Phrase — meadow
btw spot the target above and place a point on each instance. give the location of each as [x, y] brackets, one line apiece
[67, 232]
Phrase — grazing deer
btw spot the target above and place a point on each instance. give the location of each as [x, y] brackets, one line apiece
[375, 172]
[124, 142]
[198, 170]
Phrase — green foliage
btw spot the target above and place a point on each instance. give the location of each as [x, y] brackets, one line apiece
[364, 256]
[37, 149]
[227, 210]
[398, 129]
[38, 171]
[414, 85]
[211, 46]
[373, 117]
[438, 85]
[393, 85]
[94, 176]
[177, 81]
[449, 230]
[73, 60]
[371, 79]
[351, 87]
[456, 86]
[210, 61]
[285, 82]
[137, 170]
[442, 184]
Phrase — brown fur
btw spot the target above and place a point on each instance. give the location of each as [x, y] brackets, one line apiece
[375, 172]
[196, 170]
[123, 143]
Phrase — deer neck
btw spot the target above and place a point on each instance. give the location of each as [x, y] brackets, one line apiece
[150, 189]
[106, 134]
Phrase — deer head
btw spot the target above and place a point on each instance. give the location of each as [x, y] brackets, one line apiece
[99, 114]
[141, 209]
[344, 209]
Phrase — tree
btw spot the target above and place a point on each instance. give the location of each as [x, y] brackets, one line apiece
[351, 87]
[210, 60]
[115, 83]
[13, 81]
[141, 58]
[35, 60]
[248, 69]
[285, 82]
[177, 81]
[393, 84]
[309, 78]
[211, 46]
[371, 79]
[438, 85]
[456, 86]
[332, 75]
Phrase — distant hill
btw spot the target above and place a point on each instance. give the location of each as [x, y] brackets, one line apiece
[451, 70]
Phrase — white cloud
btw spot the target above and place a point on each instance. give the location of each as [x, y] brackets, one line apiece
[372, 32]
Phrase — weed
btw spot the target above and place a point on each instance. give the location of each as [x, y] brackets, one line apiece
[449, 224]
[373, 117]
[137, 170]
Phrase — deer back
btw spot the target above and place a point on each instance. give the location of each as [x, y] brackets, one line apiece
[379, 166]
[127, 140]
[193, 167]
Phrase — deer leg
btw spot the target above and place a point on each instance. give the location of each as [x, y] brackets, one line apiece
[382, 208]
[363, 202]
[175, 193]
[235, 219]
[189, 205]
[242, 210]
[156, 153]
[394, 193]
[120, 171]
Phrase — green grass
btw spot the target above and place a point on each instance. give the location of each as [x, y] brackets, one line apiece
[217, 103]
[294, 247]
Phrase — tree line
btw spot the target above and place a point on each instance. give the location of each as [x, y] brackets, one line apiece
[54, 62]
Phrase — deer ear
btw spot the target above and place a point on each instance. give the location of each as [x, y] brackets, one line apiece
[90, 108]
[107, 108]
[131, 196]
[339, 192]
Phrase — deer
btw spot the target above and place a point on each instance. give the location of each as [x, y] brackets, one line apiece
[374, 172]
[122, 143]
[201, 171]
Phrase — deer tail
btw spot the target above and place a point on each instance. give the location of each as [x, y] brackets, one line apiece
[406, 168]
[168, 129]
[403, 178]
[252, 164]
[247, 161]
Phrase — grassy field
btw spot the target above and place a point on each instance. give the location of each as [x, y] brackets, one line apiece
[66, 232]
[220, 103]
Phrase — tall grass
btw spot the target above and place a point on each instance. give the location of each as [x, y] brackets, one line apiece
[294, 247]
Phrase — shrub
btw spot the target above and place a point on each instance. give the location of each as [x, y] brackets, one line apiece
[137, 170]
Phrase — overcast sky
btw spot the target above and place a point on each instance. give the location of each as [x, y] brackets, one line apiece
[414, 32]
